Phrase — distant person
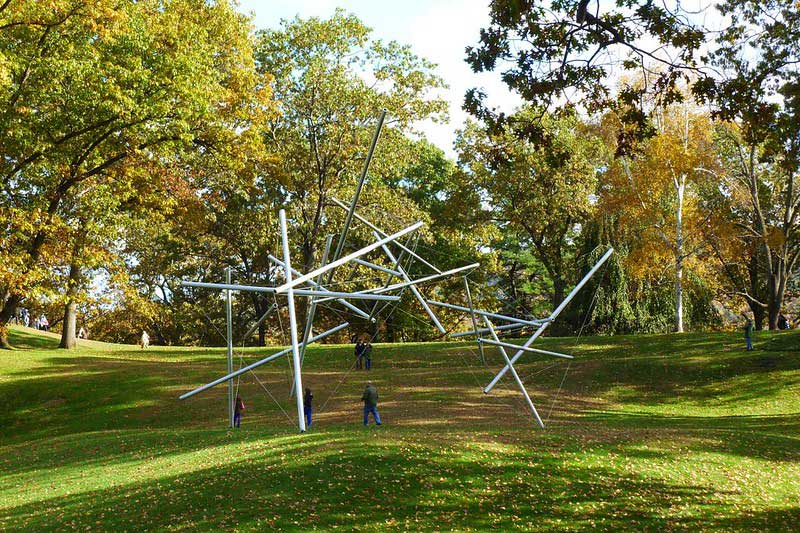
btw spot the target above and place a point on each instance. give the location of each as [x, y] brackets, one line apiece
[359, 353]
[783, 322]
[307, 399]
[748, 334]
[81, 333]
[368, 355]
[238, 407]
[36, 324]
[44, 324]
[144, 342]
[26, 318]
[370, 399]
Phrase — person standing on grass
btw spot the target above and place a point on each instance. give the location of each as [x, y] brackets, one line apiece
[307, 399]
[368, 355]
[238, 407]
[359, 353]
[748, 334]
[370, 399]
[145, 340]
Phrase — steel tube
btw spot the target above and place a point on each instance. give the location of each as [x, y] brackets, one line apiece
[414, 290]
[298, 380]
[516, 376]
[266, 360]
[352, 209]
[229, 339]
[373, 266]
[313, 283]
[490, 315]
[342, 260]
[486, 330]
[298, 292]
[524, 348]
[553, 316]
[376, 229]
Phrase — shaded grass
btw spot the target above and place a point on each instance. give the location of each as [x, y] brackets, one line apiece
[652, 432]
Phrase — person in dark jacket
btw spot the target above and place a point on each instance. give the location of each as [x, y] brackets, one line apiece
[307, 399]
[238, 407]
[370, 399]
[368, 355]
[359, 353]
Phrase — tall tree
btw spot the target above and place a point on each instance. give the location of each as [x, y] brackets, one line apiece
[123, 87]
[655, 194]
[544, 193]
[332, 79]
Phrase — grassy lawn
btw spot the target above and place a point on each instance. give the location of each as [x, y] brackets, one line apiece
[647, 433]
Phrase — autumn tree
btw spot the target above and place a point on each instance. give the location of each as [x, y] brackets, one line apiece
[332, 79]
[115, 84]
[655, 193]
[544, 193]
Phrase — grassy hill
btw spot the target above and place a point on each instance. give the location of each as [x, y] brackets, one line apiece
[649, 432]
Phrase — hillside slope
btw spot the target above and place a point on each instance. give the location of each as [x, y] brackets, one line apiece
[658, 432]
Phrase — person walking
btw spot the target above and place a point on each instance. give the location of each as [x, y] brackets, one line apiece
[370, 399]
[368, 355]
[307, 399]
[145, 340]
[238, 407]
[44, 323]
[748, 334]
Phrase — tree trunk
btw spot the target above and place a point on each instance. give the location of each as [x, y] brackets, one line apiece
[680, 186]
[8, 311]
[68, 339]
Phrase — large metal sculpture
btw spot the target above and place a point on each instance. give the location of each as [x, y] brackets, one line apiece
[312, 286]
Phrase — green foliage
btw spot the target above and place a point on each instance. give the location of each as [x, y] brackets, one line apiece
[541, 193]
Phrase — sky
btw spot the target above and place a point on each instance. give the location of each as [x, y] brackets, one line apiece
[438, 30]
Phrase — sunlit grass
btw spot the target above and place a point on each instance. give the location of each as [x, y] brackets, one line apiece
[653, 432]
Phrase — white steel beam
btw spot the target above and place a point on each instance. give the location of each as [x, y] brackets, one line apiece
[552, 317]
[298, 292]
[298, 380]
[313, 283]
[346, 259]
[516, 376]
[382, 233]
[248, 368]
[523, 348]
[414, 289]
[504, 327]
[520, 321]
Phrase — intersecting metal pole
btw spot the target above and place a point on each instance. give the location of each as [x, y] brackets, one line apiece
[524, 348]
[354, 202]
[375, 307]
[520, 321]
[312, 308]
[414, 290]
[552, 317]
[297, 292]
[298, 381]
[266, 360]
[379, 231]
[514, 373]
[346, 259]
[342, 301]
[474, 321]
[229, 338]
[504, 327]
